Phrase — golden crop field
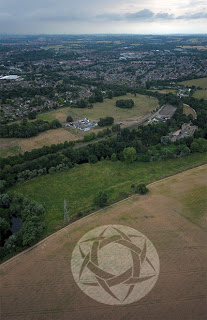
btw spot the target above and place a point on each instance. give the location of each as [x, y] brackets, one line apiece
[41, 283]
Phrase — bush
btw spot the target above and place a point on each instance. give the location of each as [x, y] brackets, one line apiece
[101, 199]
[69, 119]
[92, 159]
[52, 170]
[186, 151]
[141, 188]
[90, 136]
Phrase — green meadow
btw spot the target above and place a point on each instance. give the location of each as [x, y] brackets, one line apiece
[79, 185]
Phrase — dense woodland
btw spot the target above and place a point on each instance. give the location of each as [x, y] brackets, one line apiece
[26, 210]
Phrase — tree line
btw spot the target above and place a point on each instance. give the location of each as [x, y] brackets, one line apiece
[27, 129]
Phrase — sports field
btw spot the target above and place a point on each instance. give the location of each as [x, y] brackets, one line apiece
[39, 284]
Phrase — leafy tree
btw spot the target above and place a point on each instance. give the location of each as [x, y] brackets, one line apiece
[69, 119]
[4, 227]
[115, 127]
[32, 229]
[100, 134]
[110, 94]
[98, 96]
[4, 200]
[165, 140]
[199, 145]
[92, 158]
[114, 157]
[106, 121]
[127, 103]
[2, 185]
[130, 154]
[11, 243]
[32, 115]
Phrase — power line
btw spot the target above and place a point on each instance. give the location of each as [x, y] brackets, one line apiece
[66, 215]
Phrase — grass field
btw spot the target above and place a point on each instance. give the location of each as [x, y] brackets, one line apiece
[79, 185]
[46, 138]
[200, 94]
[45, 117]
[39, 284]
[202, 82]
[143, 106]
[12, 146]
[9, 147]
[10, 151]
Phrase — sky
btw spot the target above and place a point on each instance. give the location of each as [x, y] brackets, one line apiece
[101, 17]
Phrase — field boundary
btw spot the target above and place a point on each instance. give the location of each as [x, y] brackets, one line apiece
[95, 212]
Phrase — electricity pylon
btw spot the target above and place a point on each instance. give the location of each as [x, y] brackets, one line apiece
[66, 215]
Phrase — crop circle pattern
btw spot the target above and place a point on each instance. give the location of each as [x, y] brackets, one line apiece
[115, 264]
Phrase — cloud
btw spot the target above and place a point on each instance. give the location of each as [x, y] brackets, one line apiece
[164, 16]
[144, 14]
[193, 16]
[71, 16]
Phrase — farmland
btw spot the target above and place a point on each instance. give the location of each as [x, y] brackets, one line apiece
[79, 185]
[39, 284]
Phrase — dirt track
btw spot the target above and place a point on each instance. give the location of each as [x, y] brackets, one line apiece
[39, 284]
